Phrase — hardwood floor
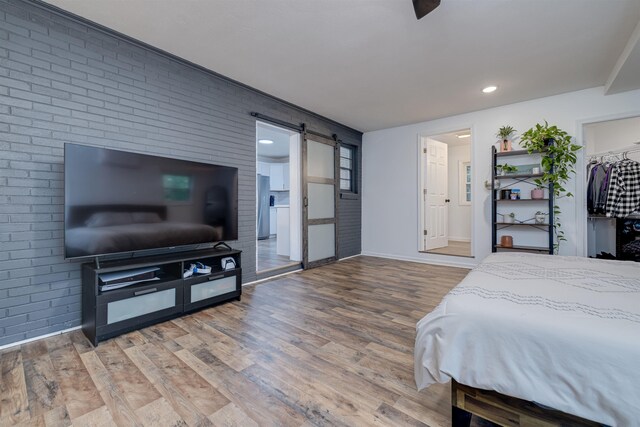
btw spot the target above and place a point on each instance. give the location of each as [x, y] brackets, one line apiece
[329, 346]
[268, 257]
[455, 248]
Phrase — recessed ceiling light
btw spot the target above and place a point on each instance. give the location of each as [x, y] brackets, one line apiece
[489, 89]
[265, 141]
[464, 135]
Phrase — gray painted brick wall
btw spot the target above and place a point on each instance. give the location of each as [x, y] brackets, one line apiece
[64, 81]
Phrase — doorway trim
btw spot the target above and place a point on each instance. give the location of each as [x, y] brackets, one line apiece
[295, 203]
[420, 178]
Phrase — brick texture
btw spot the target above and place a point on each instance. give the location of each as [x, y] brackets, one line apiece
[66, 81]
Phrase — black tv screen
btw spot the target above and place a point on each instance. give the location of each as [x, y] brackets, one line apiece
[118, 202]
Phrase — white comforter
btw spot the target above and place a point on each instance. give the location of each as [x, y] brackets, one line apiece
[560, 331]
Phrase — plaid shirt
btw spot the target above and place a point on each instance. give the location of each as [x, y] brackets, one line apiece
[624, 189]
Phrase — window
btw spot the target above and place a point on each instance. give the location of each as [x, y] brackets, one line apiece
[347, 169]
[177, 188]
[464, 192]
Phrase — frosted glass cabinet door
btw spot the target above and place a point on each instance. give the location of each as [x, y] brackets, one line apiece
[212, 289]
[129, 308]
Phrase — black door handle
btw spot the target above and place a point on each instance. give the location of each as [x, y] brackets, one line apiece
[146, 291]
[447, 200]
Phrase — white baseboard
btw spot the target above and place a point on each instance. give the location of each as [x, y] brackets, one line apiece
[446, 260]
[255, 282]
[460, 239]
[14, 344]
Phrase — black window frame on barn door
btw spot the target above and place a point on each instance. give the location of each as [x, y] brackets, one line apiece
[352, 192]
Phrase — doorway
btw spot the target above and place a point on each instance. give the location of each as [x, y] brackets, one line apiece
[445, 194]
[279, 206]
[607, 143]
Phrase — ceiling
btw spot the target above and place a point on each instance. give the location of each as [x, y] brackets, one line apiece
[280, 137]
[371, 65]
[626, 73]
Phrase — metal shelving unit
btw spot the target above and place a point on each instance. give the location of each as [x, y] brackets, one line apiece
[519, 200]
[511, 181]
[522, 248]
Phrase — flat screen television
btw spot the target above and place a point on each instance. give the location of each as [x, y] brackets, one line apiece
[117, 202]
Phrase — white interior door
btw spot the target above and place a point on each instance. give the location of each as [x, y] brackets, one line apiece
[436, 209]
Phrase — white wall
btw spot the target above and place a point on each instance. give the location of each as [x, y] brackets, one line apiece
[611, 135]
[459, 215]
[390, 170]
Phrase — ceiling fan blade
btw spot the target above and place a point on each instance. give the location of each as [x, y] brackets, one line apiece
[423, 7]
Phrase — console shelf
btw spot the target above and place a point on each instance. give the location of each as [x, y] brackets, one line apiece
[106, 314]
[522, 200]
[523, 248]
[514, 153]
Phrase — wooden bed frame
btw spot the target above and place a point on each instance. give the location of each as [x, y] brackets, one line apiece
[505, 410]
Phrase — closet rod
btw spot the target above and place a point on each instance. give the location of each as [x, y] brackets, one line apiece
[631, 149]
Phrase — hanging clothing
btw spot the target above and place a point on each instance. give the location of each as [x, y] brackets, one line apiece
[591, 173]
[623, 196]
[603, 191]
[594, 188]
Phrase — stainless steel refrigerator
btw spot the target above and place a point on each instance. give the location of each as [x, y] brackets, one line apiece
[263, 207]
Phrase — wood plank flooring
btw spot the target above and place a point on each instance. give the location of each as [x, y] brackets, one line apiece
[329, 346]
[455, 248]
[268, 257]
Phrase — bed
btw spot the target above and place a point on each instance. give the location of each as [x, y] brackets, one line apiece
[106, 229]
[563, 332]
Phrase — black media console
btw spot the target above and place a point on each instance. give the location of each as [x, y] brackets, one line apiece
[106, 314]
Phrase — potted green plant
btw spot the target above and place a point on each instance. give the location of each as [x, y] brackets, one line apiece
[540, 217]
[557, 163]
[504, 133]
[506, 169]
